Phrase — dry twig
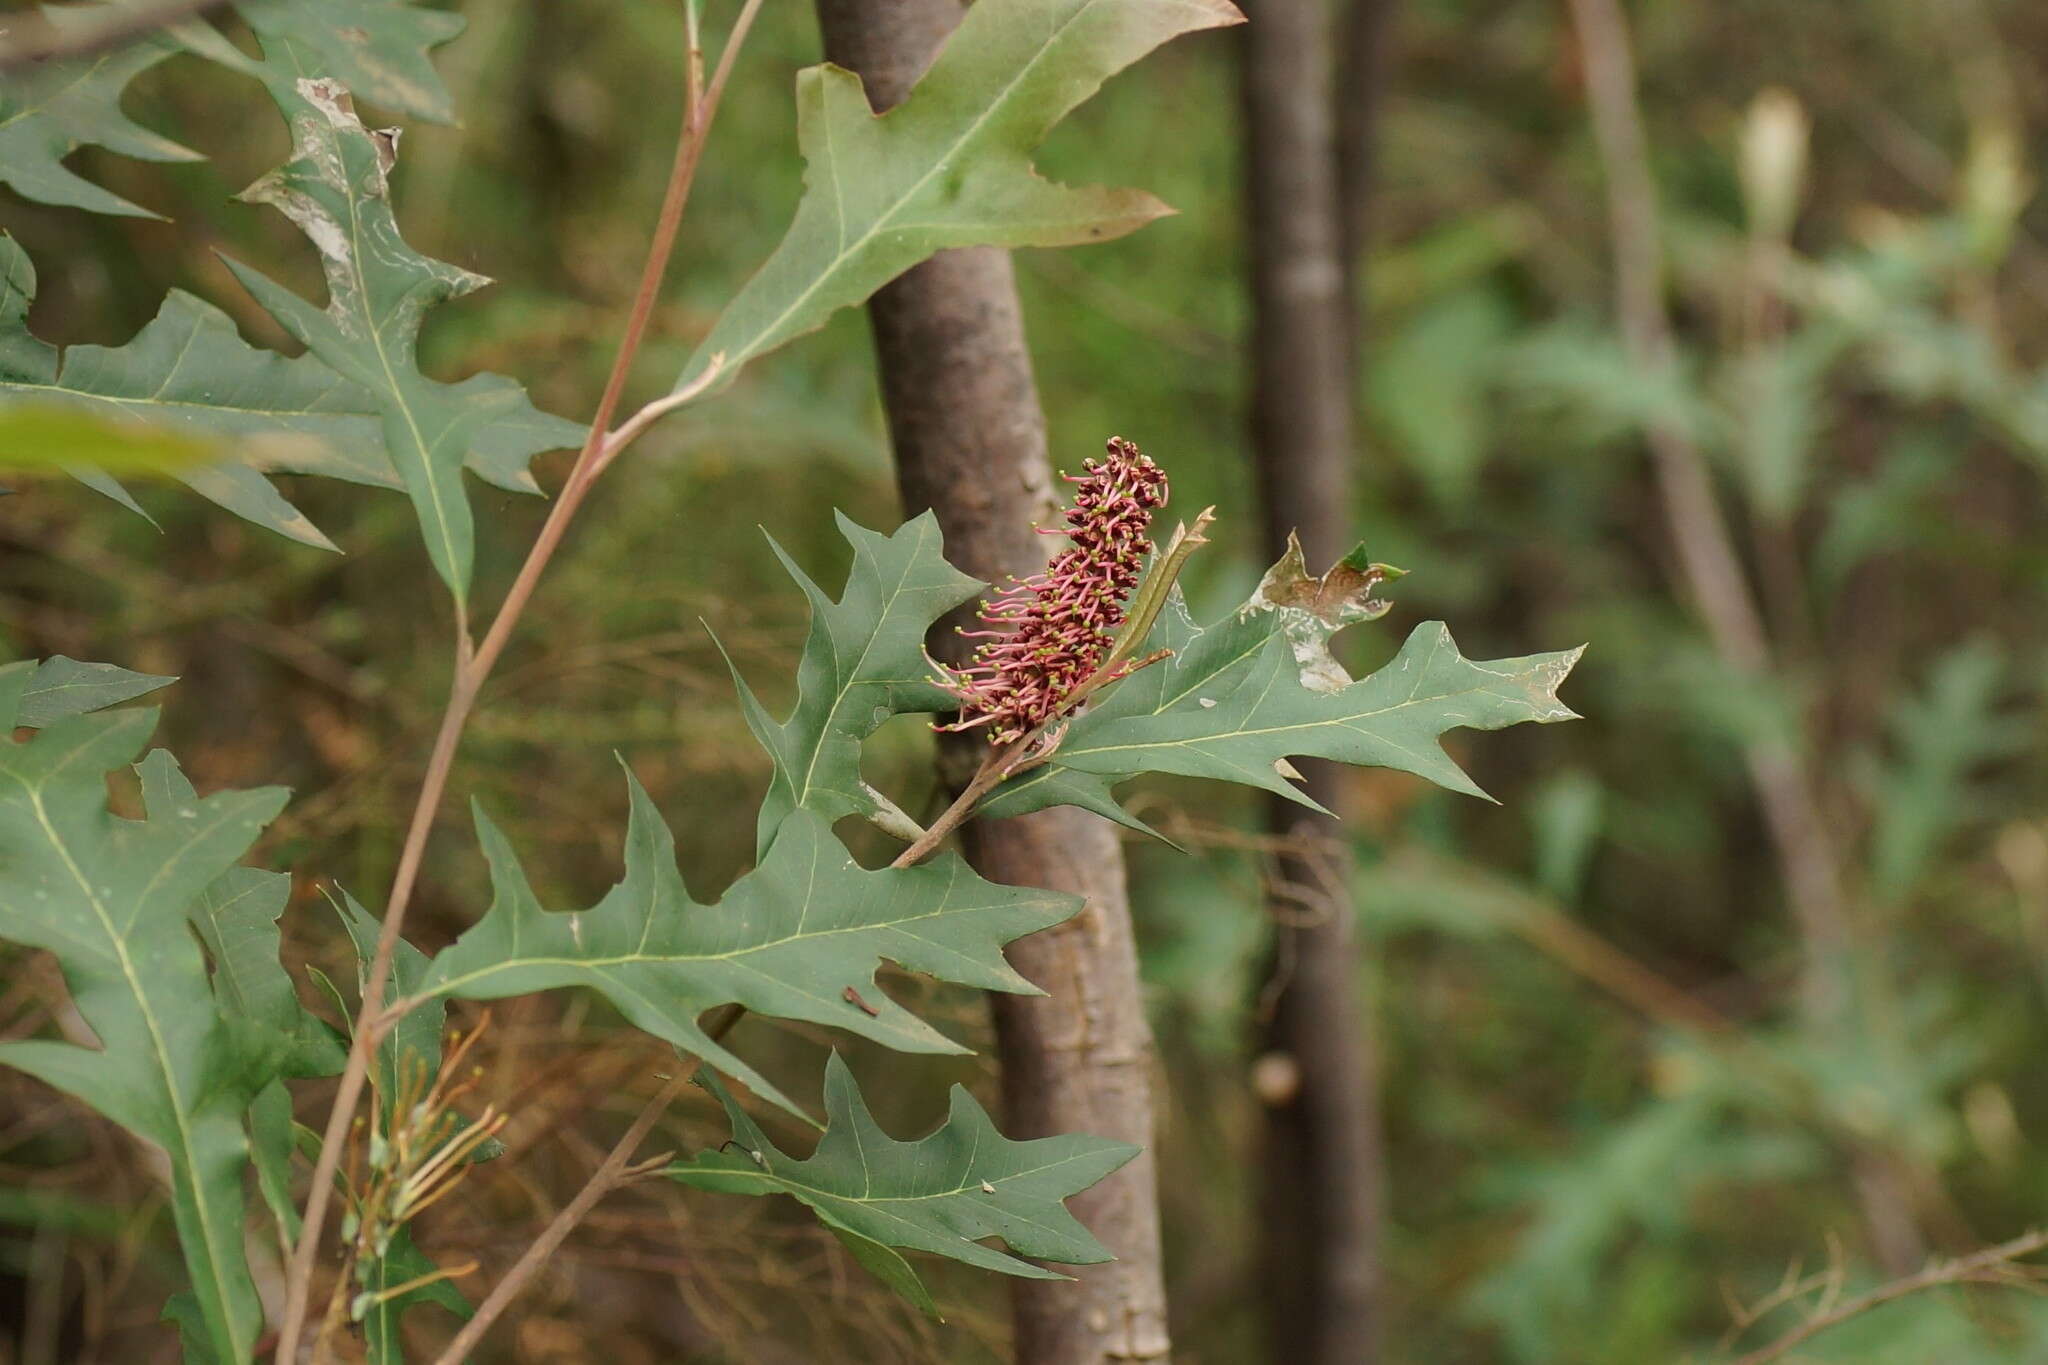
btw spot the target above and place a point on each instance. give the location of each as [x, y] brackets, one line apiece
[1997, 1265]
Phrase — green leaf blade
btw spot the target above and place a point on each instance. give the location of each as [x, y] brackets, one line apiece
[415, 1040]
[377, 48]
[48, 112]
[61, 687]
[800, 937]
[940, 1194]
[188, 377]
[336, 190]
[109, 898]
[863, 662]
[1236, 700]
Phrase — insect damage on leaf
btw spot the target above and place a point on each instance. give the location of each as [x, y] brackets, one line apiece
[1312, 609]
[335, 189]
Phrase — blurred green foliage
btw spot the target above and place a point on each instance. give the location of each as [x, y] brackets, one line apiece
[1583, 1167]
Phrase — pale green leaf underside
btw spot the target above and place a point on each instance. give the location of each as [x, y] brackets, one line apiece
[950, 166]
[863, 662]
[1231, 703]
[788, 939]
[940, 1194]
[109, 898]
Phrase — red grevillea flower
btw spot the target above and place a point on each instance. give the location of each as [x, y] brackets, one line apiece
[1045, 635]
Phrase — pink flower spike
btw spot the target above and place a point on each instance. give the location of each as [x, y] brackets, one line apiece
[1049, 633]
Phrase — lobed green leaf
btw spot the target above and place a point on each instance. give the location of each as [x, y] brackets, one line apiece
[1238, 699]
[799, 937]
[949, 167]
[189, 377]
[60, 687]
[863, 662]
[940, 1194]
[110, 899]
[50, 111]
[336, 190]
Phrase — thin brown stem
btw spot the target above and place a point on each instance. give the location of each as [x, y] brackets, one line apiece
[1993, 1265]
[993, 770]
[617, 1169]
[371, 1020]
[473, 665]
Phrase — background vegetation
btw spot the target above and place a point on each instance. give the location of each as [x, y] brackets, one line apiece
[1606, 1119]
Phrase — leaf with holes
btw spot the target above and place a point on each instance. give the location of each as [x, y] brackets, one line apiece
[950, 166]
[940, 1194]
[799, 937]
[110, 899]
[189, 375]
[48, 112]
[1237, 699]
[335, 188]
[863, 662]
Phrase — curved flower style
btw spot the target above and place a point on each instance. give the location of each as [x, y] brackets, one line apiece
[1048, 634]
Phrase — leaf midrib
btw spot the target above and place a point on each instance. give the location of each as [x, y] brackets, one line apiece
[735, 956]
[1348, 721]
[399, 397]
[792, 1184]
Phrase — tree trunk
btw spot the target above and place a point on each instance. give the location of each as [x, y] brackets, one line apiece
[969, 437]
[1322, 1162]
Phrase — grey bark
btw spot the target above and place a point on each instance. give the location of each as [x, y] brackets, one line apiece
[969, 438]
[1322, 1163]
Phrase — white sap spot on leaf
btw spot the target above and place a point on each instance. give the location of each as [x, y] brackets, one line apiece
[188, 814]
